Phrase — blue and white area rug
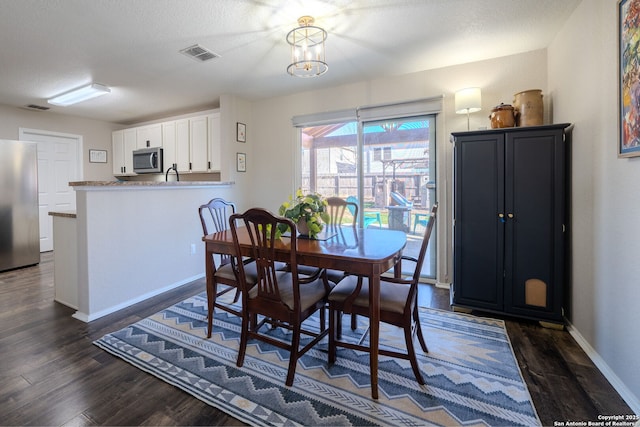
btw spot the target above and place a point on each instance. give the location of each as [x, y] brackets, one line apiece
[471, 373]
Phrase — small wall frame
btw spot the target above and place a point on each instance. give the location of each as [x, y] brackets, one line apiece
[241, 162]
[97, 156]
[241, 132]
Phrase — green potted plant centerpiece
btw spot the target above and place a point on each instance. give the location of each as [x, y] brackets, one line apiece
[308, 211]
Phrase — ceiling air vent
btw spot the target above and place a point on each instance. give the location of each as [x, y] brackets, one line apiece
[36, 107]
[199, 53]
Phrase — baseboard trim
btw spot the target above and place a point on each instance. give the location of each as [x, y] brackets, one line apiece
[608, 373]
[96, 315]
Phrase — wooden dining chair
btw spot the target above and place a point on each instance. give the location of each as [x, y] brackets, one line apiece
[214, 216]
[398, 306]
[284, 297]
[336, 209]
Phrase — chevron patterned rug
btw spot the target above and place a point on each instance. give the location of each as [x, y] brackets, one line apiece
[471, 374]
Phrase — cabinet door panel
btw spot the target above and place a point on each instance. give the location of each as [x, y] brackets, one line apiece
[198, 144]
[215, 147]
[149, 136]
[478, 231]
[534, 183]
[129, 146]
[182, 145]
[117, 142]
[169, 144]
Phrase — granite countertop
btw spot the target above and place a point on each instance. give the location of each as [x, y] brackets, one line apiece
[159, 184]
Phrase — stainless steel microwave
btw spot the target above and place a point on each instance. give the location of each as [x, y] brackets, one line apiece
[147, 160]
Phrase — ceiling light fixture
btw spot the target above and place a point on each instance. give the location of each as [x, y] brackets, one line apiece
[80, 94]
[468, 100]
[307, 49]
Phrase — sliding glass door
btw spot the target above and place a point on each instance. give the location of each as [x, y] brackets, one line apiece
[386, 166]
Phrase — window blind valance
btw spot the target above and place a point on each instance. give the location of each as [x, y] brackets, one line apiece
[417, 107]
[373, 112]
[325, 118]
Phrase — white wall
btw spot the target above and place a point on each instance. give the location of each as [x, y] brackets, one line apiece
[96, 134]
[274, 139]
[234, 109]
[134, 243]
[605, 311]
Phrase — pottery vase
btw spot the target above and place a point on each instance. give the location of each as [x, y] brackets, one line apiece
[529, 107]
[302, 227]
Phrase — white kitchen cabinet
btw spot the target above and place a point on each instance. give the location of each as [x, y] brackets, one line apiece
[176, 144]
[214, 143]
[193, 144]
[182, 145]
[196, 146]
[198, 142]
[149, 136]
[169, 144]
[123, 144]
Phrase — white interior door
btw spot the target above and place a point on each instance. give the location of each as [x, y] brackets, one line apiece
[59, 162]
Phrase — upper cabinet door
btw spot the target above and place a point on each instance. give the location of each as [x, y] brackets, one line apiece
[182, 145]
[123, 143]
[129, 146]
[117, 142]
[149, 136]
[198, 144]
[169, 144]
[215, 144]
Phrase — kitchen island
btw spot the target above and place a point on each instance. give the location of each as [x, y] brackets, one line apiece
[136, 239]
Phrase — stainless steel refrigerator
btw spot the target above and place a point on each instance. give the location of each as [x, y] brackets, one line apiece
[19, 223]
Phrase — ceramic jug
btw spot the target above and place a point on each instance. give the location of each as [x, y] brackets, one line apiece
[502, 116]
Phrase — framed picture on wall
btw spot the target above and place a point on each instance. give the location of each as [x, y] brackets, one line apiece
[241, 162]
[241, 132]
[97, 156]
[629, 78]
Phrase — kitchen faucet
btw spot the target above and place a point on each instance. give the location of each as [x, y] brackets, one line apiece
[175, 168]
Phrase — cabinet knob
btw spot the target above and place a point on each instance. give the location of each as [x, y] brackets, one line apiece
[510, 215]
[501, 216]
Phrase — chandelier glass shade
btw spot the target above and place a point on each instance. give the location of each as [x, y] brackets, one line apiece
[307, 49]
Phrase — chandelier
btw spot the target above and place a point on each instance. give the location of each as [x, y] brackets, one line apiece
[307, 49]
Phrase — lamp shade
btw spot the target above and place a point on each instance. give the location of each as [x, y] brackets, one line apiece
[468, 100]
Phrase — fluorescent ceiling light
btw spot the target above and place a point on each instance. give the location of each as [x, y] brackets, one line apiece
[78, 95]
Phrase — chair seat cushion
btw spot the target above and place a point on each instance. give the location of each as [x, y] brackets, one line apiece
[393, 296]
[226, 273]
[310, 293]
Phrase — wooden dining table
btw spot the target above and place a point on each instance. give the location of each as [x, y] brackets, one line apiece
[366, 252]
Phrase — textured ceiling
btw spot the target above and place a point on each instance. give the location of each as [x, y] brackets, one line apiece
[51, 46]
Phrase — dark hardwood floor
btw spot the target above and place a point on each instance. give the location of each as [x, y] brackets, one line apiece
[52, 374]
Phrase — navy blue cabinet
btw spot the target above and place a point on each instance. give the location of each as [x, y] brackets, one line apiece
[510, 220]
